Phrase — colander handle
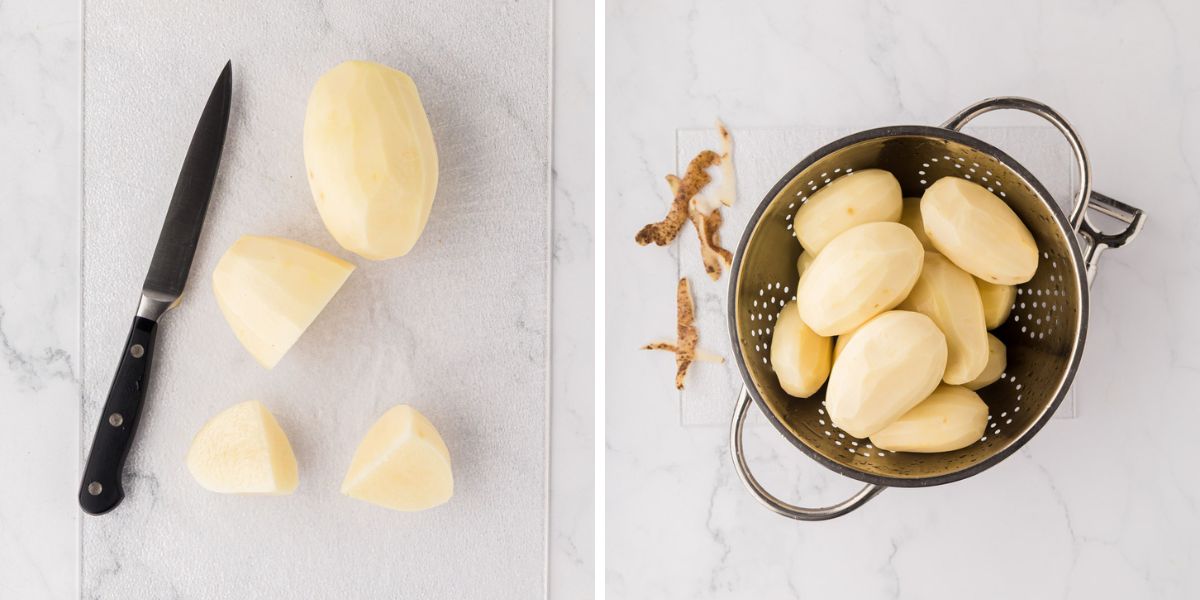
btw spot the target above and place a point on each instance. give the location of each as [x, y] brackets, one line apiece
[1084, 196]
[770, 501]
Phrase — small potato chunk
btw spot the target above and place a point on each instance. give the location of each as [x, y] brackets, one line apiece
[996, 364]
[978, 231]
[948, 295]
[860, 197]
[401, 464]
[271, 289]
[997, 302]
[242, 450]
[892, 363]
[863, 272]
[911, 216]
[799, 357]
[951, 418]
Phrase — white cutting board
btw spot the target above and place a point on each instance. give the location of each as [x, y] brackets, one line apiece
[457, 328]
[761, 157]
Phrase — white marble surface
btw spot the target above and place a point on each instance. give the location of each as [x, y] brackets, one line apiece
[1101, 506]
[39, 63]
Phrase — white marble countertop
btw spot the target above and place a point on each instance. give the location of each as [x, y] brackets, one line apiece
[1105, 505]
[40, 58]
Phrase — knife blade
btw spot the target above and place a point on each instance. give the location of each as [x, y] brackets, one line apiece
[101, 489]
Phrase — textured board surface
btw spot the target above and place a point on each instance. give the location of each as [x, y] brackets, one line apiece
[761, 157]
[457, 328]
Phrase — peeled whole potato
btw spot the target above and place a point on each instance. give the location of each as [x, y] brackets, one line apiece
[997, 302]
[948, 295]
[841, 342]
[372, 164]
[864, 271]
[892, 362]
[860, 197]
[271, 289]
[978, 231]
[997, 363]
[799, 357]
[805, 261]
[401, 464]
[242, 450]
[911, 216]
[951, 418]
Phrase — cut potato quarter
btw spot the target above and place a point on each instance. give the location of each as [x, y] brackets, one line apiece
[997, 302]
[271, 289]
[948, 295]
[911, 216]
[242, 450]
[799, 357]
[951, 418]
[890, 364]
[863, 272]
[996, 364]
[401, 464]
[372, 164]
[850, 200]
[978, 232]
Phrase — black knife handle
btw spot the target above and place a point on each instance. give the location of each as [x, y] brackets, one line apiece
[101, 489]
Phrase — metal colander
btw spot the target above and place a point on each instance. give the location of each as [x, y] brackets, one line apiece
[1044, 333]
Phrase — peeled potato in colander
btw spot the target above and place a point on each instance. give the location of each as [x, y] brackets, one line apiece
[948, 295]
[864, 197]
[978, 231]
[864, 271]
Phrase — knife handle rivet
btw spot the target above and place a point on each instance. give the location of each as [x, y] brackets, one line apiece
[116, 419]
[136, 350]
[94, 488]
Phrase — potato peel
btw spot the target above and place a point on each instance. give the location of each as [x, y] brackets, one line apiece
[664, 232]
[728, 189]
[711, 252]
[687, 336]
[708, 230]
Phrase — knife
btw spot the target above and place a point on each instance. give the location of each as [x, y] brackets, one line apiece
[101, 489]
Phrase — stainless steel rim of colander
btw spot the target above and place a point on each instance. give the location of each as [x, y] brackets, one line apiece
[1082, 267]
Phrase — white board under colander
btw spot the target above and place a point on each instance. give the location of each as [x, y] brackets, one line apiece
[761, 158]
[457, 328]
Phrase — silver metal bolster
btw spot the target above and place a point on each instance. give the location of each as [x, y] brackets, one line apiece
[1099, 241]
[1084, 193]
[778, 506]
[153, 305]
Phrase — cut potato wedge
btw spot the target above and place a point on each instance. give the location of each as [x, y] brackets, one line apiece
[799, 357]
[911, 216]
[850, 200]
[271, 289]
[997, 302]
[401, 464]
[951, 418]
[996, 364]
[978, 231]
[863, 272]
[948, 295]
[892, 362]
[372, 164]
[242, 450]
